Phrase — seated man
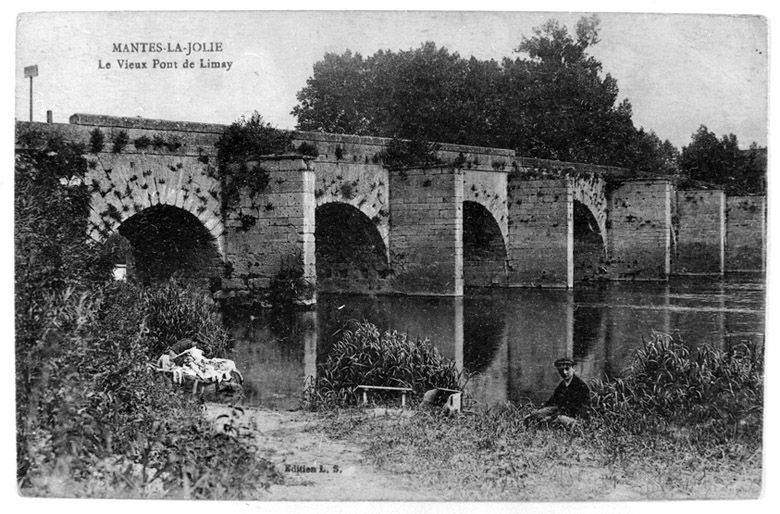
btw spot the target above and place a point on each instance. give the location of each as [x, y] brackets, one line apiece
[569, 400]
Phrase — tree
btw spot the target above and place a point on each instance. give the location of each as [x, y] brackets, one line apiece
[334, 97]
[652, 155]
[721, 162]
[568, 111]
[551, 103]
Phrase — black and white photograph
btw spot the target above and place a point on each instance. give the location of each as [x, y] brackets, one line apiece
[376, 255]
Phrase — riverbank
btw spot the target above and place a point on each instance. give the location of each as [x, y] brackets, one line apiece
[314, 464]
[490, 456]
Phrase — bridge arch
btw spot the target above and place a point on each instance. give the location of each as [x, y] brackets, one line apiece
[589, 251]
[166, 241]
[350, 253]
[364, 187]
[591, 192]
[124, 185]
[484, 247]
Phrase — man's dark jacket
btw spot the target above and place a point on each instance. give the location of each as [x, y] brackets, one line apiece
[571, 400]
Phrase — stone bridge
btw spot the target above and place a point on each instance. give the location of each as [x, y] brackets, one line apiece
[484, 217]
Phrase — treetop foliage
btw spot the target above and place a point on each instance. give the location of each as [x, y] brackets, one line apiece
[722, 162]
[551, 103]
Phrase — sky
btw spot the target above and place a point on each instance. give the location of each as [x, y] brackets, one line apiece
[678, 71]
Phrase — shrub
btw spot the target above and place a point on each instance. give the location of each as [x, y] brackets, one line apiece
[96, 140]
[158, 141]
[93, 419]
[243, 141]
[173, 144]
[706, 387]
[402, 153]
[309, 149]
[289, 286]
[366, 356]
[120, 142]
[174, 312]
[142, 143]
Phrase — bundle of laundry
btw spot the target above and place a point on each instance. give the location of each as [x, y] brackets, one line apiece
[192, 365]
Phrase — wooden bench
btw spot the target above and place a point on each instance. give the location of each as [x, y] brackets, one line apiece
[402, 390]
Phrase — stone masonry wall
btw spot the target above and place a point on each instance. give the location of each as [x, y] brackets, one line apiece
[124, 184]
[272, 231]
[746, 233]
[701, 232]
[539, 245]
[640, 230]
[538, 212]
[426, 244]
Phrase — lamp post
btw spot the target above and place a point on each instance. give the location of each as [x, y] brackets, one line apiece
[31, 71]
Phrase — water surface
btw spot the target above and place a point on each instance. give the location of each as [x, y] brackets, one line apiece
[508, 337]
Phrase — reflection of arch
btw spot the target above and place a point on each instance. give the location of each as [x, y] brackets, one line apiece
[349, 250]
[484, 329]
[167, 240]
[484, 251]
[589, 249]
[589, 323]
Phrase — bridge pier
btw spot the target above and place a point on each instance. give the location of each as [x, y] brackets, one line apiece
[640, 226]
[701, 232]
[746, 229]
[271, 234]
[426, 239]
[540, 243]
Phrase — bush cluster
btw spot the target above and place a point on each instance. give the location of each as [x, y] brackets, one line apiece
[669, 383]
[364, 355]
[401, 153]
[242, 142]
[175, 312]
[94, 419]
[289, 286]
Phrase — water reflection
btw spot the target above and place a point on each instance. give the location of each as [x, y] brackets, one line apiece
[508, 338]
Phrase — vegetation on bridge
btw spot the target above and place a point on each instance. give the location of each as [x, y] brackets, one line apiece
[238, 148]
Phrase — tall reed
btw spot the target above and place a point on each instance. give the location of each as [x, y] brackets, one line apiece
[367, 356]
[705, 387]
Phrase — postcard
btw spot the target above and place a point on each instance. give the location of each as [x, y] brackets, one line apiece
[390, 256]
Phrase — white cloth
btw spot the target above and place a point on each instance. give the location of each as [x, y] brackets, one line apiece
[193, 364]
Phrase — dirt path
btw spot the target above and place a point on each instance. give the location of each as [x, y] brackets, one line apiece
[314, 466]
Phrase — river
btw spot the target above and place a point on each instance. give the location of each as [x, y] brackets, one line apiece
[508, 337]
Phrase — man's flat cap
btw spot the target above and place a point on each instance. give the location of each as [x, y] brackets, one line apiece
[565, 361]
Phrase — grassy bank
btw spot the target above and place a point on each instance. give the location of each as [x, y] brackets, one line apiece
[678, 423]
[492, 456]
